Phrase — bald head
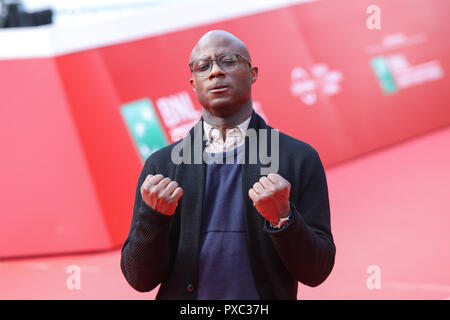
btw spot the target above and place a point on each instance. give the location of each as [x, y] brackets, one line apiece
[217, 38]
[223, 90]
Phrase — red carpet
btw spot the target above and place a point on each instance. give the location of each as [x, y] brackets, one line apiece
[390, 208]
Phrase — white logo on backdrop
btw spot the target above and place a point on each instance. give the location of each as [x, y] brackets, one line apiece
[307, 85]
[407, 75]
[178, 114]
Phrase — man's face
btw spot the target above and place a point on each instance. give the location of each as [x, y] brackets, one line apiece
[223, 93]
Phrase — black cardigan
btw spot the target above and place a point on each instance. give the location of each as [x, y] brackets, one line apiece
[164, 250]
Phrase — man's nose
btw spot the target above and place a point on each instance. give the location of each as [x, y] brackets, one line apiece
[216, 71]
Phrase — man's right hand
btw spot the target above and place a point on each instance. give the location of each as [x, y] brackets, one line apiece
[161, 194]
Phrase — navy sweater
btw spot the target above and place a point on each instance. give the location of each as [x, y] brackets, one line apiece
[224, 265]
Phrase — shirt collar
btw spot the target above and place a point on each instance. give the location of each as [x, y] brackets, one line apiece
[243, 126]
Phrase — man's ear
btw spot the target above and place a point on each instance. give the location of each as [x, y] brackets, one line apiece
[191, 80]
[254, 73]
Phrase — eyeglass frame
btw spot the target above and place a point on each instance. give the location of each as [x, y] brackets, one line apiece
[218, 57]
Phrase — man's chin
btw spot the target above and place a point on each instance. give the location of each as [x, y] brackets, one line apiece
[221, 108]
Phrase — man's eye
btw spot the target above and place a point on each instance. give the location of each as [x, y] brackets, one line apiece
[229, 58]
[203, 67]
[228, 61]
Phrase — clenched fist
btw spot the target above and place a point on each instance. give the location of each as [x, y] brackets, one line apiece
[270, 196]
[161, 194]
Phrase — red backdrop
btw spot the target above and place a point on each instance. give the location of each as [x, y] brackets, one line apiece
[69, 167]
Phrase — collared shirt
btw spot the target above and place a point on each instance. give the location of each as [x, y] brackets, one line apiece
[234, 137]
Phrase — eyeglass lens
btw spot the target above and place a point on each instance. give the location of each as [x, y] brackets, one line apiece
[227, 62]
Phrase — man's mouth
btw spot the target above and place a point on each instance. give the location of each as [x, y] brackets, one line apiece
[219, 89]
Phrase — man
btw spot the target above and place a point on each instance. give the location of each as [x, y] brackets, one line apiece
[221, 229]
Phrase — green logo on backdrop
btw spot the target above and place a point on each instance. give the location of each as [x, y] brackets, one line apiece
[385, 79]
[144, 126]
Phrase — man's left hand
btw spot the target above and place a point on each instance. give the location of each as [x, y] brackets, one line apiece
[270, 196]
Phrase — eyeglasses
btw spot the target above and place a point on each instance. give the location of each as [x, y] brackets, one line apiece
[228, 62]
